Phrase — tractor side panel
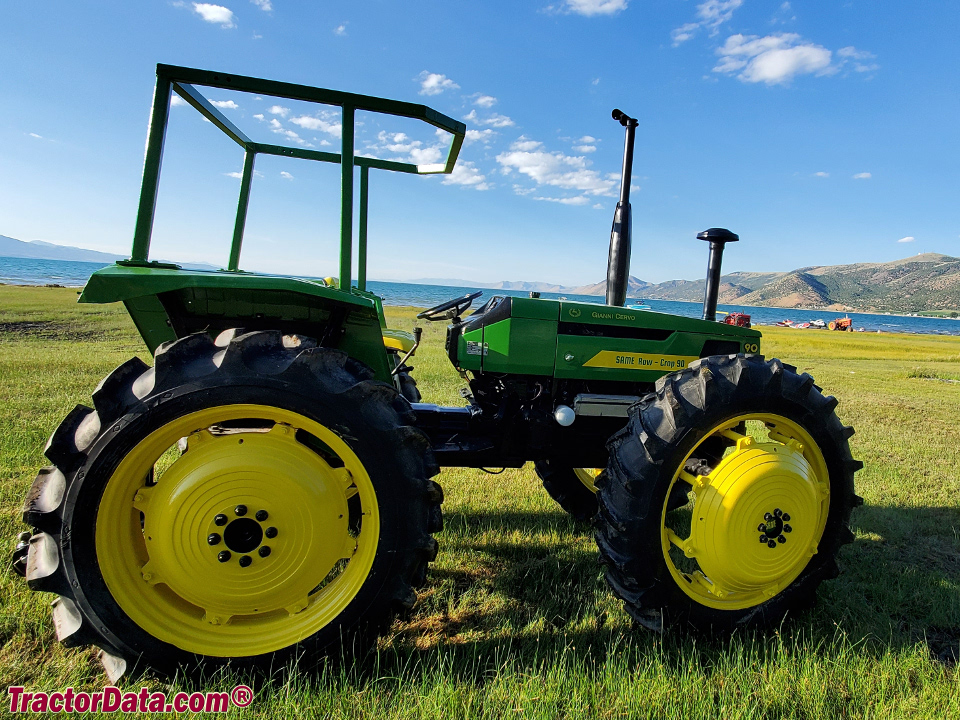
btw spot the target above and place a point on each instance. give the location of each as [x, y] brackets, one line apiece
[520, 346]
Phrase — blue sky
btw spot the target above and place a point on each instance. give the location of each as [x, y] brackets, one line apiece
[822, 133]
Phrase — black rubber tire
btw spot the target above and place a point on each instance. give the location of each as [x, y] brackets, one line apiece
[662, 430]
[195, 373]
[408, 386]
[563, 485]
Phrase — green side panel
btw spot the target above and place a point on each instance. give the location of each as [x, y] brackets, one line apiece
[572, 312]
[520, 346]
[470, 350]
[151, 320]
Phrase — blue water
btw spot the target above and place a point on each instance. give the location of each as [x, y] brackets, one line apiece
[25, 271]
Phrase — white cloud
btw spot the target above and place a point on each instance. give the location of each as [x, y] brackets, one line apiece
[218, 14]
[285, 175]
[590, 8]
[821, 174]
[485, 101]
[177, 101]
[278, 110]
[859, 58]
[34, 135]
[279, 129]
[340, 29]
[325, 121]
[495, 120]
[484, 136]
[553, 168]
[405, 149]
[264, 5]
[710, 15]
[907, 239]
[862, 176]
[585, 148]
[466, 174]
[259, 116]
[588, 139]
[434, 83]
[774, 59]
[237, 175]
[598, 206]
[595, 81]
[224, 104]
[576, 200]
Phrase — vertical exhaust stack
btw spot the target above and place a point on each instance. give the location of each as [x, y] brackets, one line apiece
[618, 262]
[717, 237]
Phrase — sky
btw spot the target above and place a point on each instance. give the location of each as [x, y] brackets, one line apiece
[821, 133]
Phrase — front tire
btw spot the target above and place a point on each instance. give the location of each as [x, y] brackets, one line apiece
[296, 517]
[772, 490]
[573, 489]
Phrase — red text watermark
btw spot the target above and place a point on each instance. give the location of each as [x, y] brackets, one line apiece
[112, 699]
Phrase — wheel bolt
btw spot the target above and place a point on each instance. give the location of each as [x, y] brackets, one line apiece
[786, 518]
[787, 528]
[220, 520]
[768, 517]
[781, 539]
[213, 539]
[245, 561]
[763, 538]
[270, 532]
[261, 515]
[240, 510]
[778, 512]
[771, 544]
[223, 556]
[762, 527]
[264, 551]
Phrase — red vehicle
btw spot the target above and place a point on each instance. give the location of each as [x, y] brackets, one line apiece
[737, 318]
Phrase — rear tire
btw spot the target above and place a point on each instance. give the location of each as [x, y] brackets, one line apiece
[323, 455]
[720, 577]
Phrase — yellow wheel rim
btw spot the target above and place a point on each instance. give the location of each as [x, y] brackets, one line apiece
[249, 542]
[756, 518]
[588, 476]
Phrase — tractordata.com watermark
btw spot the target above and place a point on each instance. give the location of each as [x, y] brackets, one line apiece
[112, 699]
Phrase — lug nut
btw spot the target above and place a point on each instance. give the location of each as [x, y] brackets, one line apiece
[264, 551]
[762, 527]
[240, 510]
[270, 532]
[771, 544]
[787, 528]
[763, 538]
[245, 561]
[223, 556]
[213, 539]
[262, 515]
[785, 518]
[220, 520]
[768, 517]
[781, 539]
[778, 512]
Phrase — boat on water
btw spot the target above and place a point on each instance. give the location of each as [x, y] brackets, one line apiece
[784, 323]
[820, 324]
[639, 304]
[802, 326]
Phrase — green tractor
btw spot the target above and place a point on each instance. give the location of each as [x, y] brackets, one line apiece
[265, 490]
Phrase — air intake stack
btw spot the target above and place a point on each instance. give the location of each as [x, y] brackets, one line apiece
[618, 263]
[717, 237]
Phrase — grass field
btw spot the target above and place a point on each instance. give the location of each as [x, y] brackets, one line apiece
[516, 619]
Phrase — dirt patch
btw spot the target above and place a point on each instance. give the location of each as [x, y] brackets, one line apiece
[48, 330]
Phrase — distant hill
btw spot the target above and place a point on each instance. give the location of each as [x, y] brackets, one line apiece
[923, 282]
[40, 250]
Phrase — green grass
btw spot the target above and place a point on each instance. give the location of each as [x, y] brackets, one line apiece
[516, 619]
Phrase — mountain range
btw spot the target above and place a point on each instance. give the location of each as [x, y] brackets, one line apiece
[929, 281]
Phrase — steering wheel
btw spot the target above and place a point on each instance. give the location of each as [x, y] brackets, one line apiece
[449, 309]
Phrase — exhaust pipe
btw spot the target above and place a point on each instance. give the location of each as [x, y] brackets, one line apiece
[618, 262]
[717, 237]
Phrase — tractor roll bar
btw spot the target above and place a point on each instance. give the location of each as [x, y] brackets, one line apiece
[171, 78]
[618, 261]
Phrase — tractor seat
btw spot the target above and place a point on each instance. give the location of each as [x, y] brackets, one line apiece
[398, 340]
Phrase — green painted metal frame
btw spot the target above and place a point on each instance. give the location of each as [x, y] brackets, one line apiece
[182, 80]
